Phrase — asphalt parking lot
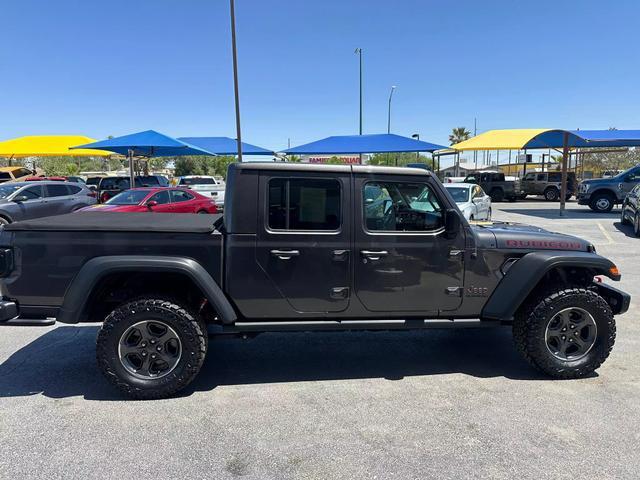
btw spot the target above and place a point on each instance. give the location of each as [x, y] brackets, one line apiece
[441, 404]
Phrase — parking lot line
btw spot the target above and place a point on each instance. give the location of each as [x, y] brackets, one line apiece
[605, 233]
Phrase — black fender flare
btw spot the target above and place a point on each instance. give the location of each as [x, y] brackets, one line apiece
[97, 268]
[526, 273]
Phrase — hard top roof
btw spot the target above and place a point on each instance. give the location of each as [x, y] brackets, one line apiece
[318, 167]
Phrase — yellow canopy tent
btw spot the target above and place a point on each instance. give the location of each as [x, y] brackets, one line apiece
[513, 139]
[48, 146]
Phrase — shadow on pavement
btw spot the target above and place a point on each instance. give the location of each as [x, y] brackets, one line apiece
[61, 363]
[626, 229]
[552, 213]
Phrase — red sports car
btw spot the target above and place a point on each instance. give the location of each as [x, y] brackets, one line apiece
[156, 199]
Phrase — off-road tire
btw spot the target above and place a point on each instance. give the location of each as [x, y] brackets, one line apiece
[551, 194]
[190, 330]
[623, 218]
[497, 195]
[597, 203]
[530, 325]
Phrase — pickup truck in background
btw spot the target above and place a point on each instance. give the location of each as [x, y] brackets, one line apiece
[206, 185]
[496, 185]
[305, 248]
[602, 194]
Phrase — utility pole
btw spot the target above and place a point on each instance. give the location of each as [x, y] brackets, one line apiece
[359, 53]
[475, 132]
[235, 77]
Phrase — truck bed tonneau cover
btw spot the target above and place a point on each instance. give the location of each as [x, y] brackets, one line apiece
[120, 222]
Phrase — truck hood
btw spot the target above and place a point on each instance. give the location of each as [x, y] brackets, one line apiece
[517, 236]
[599, 181]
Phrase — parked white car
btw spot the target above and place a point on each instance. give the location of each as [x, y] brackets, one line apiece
[471, 199]
[205, 185]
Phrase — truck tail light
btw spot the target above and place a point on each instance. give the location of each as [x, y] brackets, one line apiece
[6, 261]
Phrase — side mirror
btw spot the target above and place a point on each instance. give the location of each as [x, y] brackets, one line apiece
[20, 198]
[151, 204]
[452, 223]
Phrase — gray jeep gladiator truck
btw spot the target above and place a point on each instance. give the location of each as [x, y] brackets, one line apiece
[305, 248]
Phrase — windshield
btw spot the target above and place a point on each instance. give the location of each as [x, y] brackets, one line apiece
[130, 197]
[6, 190]
[459, 194]
[197, 181]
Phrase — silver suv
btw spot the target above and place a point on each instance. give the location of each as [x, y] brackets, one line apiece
[26, 200]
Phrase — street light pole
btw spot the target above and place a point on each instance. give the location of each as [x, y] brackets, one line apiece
[359, 53]
[235, 77]
[417, 137]
[393, 87]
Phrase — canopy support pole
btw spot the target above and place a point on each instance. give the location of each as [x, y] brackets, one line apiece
[132, 173]
[563, 184]
[235, 78]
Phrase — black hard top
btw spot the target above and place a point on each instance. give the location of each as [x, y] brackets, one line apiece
[120, 222]
[319, 167]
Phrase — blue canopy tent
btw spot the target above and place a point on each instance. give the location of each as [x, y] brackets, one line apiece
[225, 146]
[146, 144]
[374, 143]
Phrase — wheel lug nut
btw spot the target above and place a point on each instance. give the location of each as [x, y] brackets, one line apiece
[158, 348]
[143, 344]
[144, 354]
[153, 355]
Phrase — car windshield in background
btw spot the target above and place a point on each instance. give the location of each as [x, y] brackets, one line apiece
[6, 190]
[459, 194]
[197, 181]
[129, 197]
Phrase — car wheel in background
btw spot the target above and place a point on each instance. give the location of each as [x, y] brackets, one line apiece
[497, 195]
[151, 347]
[636, 225]
[202, 212]
[4, 221]
[566, 333]
[602, 203]
[489, 215]
[551, 194]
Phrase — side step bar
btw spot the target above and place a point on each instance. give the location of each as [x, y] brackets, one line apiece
[346, 325]
[29, 322]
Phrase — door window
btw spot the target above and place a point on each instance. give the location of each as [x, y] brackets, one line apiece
[404, 207]
[178, 196]
[161, 198]
[73, 189]
[304, 204]
[32, 192]
[57, 191]
[541, 177]
[529, 177]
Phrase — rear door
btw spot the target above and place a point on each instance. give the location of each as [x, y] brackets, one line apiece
[58, 199]
[304, 238]
[404, 260]
[181, 202]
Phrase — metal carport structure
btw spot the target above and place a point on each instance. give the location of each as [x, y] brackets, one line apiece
[537, 138]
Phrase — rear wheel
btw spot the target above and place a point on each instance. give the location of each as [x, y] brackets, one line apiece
[151, 348]
[202, 212]
[497, 195]
[602, 203]
[565, 333]
[636, 225]
[551, 194]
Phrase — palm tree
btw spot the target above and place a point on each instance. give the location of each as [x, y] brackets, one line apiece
[459, 134]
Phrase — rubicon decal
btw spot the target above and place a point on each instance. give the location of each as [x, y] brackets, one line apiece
[545, 244]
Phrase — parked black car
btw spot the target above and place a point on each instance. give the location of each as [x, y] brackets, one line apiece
[110, 186]
[306, 248]
[630, 214]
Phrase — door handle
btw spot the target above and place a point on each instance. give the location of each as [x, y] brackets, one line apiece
[340, 255]
[285, 254]
[374, 254]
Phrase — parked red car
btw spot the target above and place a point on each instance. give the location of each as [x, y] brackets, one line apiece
[156, 199]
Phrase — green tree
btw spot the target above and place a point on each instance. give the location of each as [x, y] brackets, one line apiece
[459, 134]
[400, 159]
[293, 158]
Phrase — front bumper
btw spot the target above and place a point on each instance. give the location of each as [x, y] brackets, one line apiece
[617, 299]
[583, 198]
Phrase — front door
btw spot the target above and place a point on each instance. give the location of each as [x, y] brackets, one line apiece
[163, 203]
[404, 260]
[303, 243]
[32, 206]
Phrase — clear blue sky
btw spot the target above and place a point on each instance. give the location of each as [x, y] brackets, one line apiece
[114, 67]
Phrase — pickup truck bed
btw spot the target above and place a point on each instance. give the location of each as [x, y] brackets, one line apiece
[120, 222]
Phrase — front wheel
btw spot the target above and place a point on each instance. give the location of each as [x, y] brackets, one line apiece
[565, 333]
[636, 225]
[602, 203]
[151, 348]
[623, 217]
